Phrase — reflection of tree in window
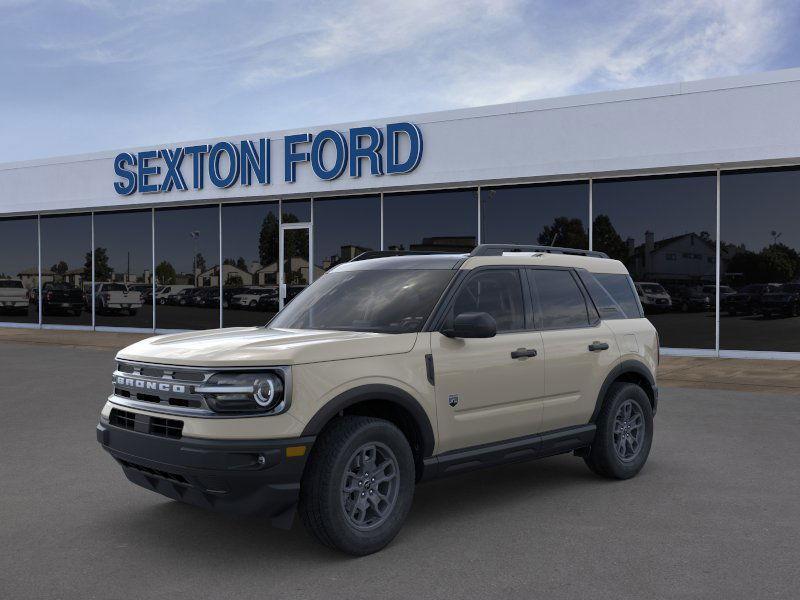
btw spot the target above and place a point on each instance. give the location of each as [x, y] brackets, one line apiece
[606, 239]
[565, 232]
[165, 273]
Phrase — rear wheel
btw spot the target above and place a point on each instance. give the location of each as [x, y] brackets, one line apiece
[624, 433]
[358, 486]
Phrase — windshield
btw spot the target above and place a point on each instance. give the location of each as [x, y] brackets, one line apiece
[381, 301]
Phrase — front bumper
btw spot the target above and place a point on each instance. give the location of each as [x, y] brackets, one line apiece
[247, 477]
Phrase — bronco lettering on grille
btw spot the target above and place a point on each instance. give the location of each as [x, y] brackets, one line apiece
[151, 385]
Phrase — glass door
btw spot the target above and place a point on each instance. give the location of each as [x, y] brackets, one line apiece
[294, 274]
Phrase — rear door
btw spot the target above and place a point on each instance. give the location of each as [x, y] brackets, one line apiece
[579, 349]
[489, 389]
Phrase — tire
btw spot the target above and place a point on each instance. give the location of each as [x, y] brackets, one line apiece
[253, 303]
[323, 504]
[603, 457]
[132, 312]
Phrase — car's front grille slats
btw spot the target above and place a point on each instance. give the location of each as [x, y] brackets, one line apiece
[162, 386]
[161, 427]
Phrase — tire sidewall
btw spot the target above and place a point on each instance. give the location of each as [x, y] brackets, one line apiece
[346, 537]
[618, 468]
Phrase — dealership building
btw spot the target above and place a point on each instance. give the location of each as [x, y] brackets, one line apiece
[695, 186]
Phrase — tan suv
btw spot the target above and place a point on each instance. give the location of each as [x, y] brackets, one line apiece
[385, 372]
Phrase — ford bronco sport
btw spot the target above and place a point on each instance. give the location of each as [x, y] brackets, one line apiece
[387, 371]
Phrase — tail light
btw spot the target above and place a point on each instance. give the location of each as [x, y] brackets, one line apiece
[49, 296]
[106, 296]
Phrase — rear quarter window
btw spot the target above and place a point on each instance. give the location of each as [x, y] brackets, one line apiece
[613, 295]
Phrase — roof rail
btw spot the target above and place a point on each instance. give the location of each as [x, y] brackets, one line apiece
[383, 253]
[500, 249]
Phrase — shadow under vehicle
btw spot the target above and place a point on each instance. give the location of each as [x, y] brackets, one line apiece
[61, 298]
[204, 297]
[653, 296]
[691, 299]
[14, 297]
[747, 301]
[783, 302]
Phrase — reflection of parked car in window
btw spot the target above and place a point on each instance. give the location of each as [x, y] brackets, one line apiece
[724, 292]
[783, 301]
[116, 298]
[145, 289]
[653, 296]
[164, 293]
[61, 297]
[181, 297]
[268, 303]
[747, 301]
[250, 297]
[205, 297]
[13, 296]
[228, 293]
[691, 299]
[385, 372]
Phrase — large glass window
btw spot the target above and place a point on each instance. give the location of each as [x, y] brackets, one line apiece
[19, 270]
[664, 229]
[431, 221]
[123, 267]
[187, 270]
[67, 269]
[760, 260]
[344, 228]
[385, 301]
[249, 263]
[497, 292]
[555, 214]
[558, 298]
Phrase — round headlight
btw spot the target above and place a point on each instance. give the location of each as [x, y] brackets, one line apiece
[243, 392]
[268, 391]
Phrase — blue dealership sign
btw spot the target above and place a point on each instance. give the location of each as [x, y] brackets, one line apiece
[227, 163]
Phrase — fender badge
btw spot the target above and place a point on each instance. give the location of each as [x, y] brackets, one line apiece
[452, 399]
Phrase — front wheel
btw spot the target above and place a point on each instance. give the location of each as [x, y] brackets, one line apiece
[624, 433]
[358, 486]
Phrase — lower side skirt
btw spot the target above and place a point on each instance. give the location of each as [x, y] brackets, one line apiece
[530, 447]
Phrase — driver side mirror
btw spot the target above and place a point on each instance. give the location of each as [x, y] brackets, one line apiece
[472, 325]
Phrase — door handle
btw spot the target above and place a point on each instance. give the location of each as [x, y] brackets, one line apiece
[597, 346]
[523, 353]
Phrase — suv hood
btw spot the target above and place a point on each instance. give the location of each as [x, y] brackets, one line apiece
[259, 346]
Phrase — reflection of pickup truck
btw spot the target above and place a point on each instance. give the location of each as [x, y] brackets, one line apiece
[116, 297]
[691, 299]
[653, 296]
[61, 297]
[747, 301]
[13, 296]
[181, 297]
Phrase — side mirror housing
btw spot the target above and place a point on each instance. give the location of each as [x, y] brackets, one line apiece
[472, 325]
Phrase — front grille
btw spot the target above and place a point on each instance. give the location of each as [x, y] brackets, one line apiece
[171, 428]
[157, 472]
[168, 428]
[122, 418]
[159, 385]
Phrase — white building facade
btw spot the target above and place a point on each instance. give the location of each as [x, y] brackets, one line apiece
[692, 185]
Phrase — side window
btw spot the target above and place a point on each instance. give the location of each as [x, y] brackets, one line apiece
[607, 305]
[619, 288]
[560, 301]
[494, 291]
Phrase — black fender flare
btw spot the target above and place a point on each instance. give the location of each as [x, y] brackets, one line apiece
[375, 391]
[623, 368]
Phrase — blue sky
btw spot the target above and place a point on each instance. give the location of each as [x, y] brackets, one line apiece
[85, 75]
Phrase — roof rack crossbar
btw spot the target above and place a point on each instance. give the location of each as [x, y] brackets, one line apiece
[499, 249]
[383, 253]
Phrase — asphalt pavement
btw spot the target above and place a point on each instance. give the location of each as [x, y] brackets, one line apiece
[714, 514]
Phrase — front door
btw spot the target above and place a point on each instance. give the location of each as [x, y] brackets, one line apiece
[489, 389]
[295, 272]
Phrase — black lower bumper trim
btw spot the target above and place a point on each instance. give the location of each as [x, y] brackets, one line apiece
[249, 477]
